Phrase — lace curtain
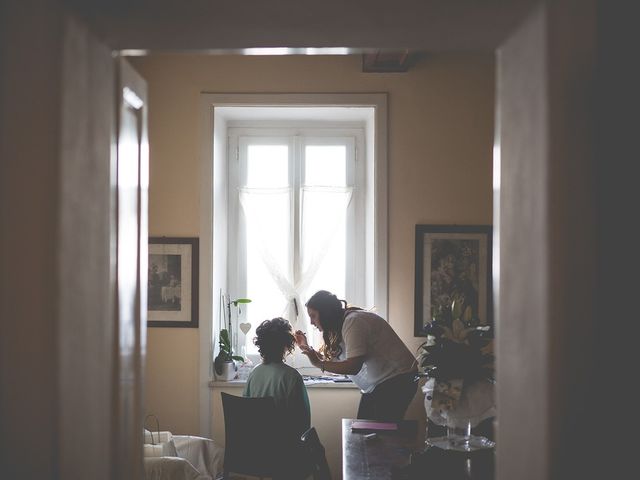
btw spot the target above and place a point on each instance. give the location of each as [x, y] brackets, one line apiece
[323, 211]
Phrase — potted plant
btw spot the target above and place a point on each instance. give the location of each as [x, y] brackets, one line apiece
[457, 359]
[224, 362]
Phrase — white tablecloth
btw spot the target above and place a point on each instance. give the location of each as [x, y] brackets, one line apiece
[171, 468]
[202, 453]
[196, 458]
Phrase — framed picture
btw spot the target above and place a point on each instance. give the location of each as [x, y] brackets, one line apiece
[173, 282]
[453, 275]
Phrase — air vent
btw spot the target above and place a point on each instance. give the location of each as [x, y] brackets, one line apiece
[387, 61]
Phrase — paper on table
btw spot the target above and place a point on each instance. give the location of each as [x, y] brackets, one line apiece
[366, 426]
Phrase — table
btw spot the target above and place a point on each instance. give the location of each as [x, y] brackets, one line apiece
[400, 455]
[375, 458]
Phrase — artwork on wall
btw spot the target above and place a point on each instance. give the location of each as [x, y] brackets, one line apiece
[453, 275]
[173, 282]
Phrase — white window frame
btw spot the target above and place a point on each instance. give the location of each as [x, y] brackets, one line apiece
[213, 199]
[297, 137]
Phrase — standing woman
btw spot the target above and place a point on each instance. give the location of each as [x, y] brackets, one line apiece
[362, 345]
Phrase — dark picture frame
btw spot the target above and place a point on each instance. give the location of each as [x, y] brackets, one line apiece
[172, 288]
[453, 262]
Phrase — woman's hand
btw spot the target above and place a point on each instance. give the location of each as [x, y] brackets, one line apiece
[301, 340]
[313, 356]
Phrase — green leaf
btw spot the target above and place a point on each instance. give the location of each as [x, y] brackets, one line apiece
[237, 357]
[224, 336]
[225, 343]
[456, 308]
[240, 300]
[224, 333]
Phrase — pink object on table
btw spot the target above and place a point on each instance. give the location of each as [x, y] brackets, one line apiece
[369, 425]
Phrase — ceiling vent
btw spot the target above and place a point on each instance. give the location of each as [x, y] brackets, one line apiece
[387, 61]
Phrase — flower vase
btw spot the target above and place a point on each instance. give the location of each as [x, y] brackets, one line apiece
[228, 371]
[460, 438]
[459, 407]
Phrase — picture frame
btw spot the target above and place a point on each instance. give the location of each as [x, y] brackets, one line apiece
[453, 262]
[172, 288]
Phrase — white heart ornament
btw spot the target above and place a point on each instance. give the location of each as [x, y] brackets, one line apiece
[245, 327]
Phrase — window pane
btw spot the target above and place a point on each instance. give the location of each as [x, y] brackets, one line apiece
[268, 255]
[325, 165]
[331, 277]
[267, 166]
[323, 245]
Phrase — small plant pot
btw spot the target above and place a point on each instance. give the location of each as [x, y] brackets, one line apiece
[227, 371]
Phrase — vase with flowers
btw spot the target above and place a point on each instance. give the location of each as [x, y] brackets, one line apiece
[457, 360]
[224, 362]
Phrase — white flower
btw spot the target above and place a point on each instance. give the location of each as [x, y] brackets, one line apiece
[458, 332]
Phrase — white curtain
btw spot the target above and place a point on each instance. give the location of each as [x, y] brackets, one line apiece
[323, 211]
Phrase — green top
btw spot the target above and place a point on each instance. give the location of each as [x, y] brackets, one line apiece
[285, 385]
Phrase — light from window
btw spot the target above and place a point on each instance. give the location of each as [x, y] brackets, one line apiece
[295, 228]
[267, 166]
[326, 165]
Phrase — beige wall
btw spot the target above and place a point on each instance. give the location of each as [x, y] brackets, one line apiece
[440, 170]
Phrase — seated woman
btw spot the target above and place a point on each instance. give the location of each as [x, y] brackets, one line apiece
[273, 378]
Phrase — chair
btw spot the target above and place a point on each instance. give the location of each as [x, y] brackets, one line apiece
[255, 441]
[315, 452]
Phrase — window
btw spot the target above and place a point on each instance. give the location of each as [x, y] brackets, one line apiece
[324, 150]
[296, 219]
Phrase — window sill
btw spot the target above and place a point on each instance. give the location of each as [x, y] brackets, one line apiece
[310, 383]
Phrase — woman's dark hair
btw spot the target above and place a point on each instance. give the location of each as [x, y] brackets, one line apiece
[331, 314]
[274, 339]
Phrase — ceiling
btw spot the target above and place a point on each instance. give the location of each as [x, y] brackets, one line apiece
[353, 26]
